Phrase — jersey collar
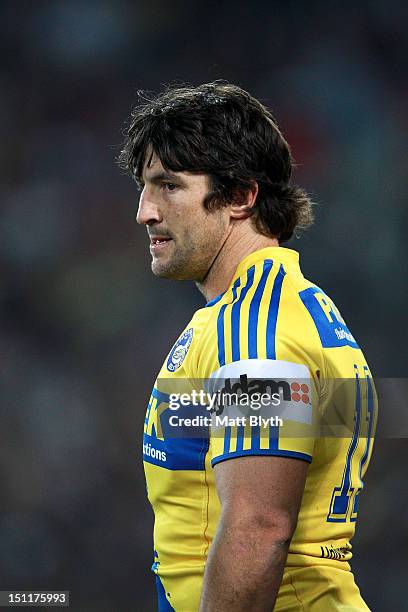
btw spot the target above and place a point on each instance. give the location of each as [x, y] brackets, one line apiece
[288, 257]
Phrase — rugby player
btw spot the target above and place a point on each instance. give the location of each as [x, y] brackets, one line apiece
[246, 518]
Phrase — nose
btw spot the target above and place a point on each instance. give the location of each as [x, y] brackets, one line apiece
[148, 212]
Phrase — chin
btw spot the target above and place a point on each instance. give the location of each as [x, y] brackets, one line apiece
[172, 271]
[163, 270]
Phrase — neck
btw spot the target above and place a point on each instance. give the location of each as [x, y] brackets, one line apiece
[240, 242]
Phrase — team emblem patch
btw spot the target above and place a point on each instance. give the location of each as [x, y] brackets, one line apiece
[179, 351]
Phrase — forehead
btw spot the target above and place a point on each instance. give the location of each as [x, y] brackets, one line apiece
[154, 171]
[152, 163]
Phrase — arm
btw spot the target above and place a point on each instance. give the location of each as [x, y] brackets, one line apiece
[260, 498]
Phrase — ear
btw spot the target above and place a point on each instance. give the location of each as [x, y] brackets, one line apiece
[243, 202]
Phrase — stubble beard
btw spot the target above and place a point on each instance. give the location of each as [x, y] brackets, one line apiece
[183, 264]
[194, 258]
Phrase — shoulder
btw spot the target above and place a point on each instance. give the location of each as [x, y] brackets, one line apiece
[261, 306]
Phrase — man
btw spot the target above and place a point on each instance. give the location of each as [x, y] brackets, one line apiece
[246, 517]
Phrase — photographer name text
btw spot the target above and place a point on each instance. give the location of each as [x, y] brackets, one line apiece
[253, 420]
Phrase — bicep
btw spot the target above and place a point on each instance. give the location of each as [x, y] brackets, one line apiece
[264, 488]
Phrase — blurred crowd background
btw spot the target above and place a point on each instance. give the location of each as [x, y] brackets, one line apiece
[85, 326]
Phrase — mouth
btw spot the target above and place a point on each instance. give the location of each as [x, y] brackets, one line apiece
[157, 243]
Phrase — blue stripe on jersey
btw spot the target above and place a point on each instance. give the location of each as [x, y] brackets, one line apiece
[236, 314]
[227, 439]
[262, 452]
[273, 314]
[220, 334]
[240, 437]
[273, 436]
[254, 311]
[220, 325]
[255, 437]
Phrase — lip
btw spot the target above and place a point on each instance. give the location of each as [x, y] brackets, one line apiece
[158, 243]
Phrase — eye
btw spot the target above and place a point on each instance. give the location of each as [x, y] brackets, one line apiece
[169, 187]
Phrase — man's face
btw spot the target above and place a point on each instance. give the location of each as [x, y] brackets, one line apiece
[184, 237]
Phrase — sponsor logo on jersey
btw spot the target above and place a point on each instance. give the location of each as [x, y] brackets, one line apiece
[154, 453]
[300, 392]
[175, 453]
[330, 325]
[337, 553]
[287, 384]
[179, 351]
[278, 390]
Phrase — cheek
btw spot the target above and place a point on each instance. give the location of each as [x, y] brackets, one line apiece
[217, 222]
[208, 232]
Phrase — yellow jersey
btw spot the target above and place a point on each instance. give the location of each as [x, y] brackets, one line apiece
[271, 323]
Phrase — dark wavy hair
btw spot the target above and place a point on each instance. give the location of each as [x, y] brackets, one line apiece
[221, 130]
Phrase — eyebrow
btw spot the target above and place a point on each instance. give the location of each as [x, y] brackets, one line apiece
[161, 176]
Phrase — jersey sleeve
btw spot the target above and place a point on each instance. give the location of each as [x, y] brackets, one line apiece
[262, 356]
[265, 408]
